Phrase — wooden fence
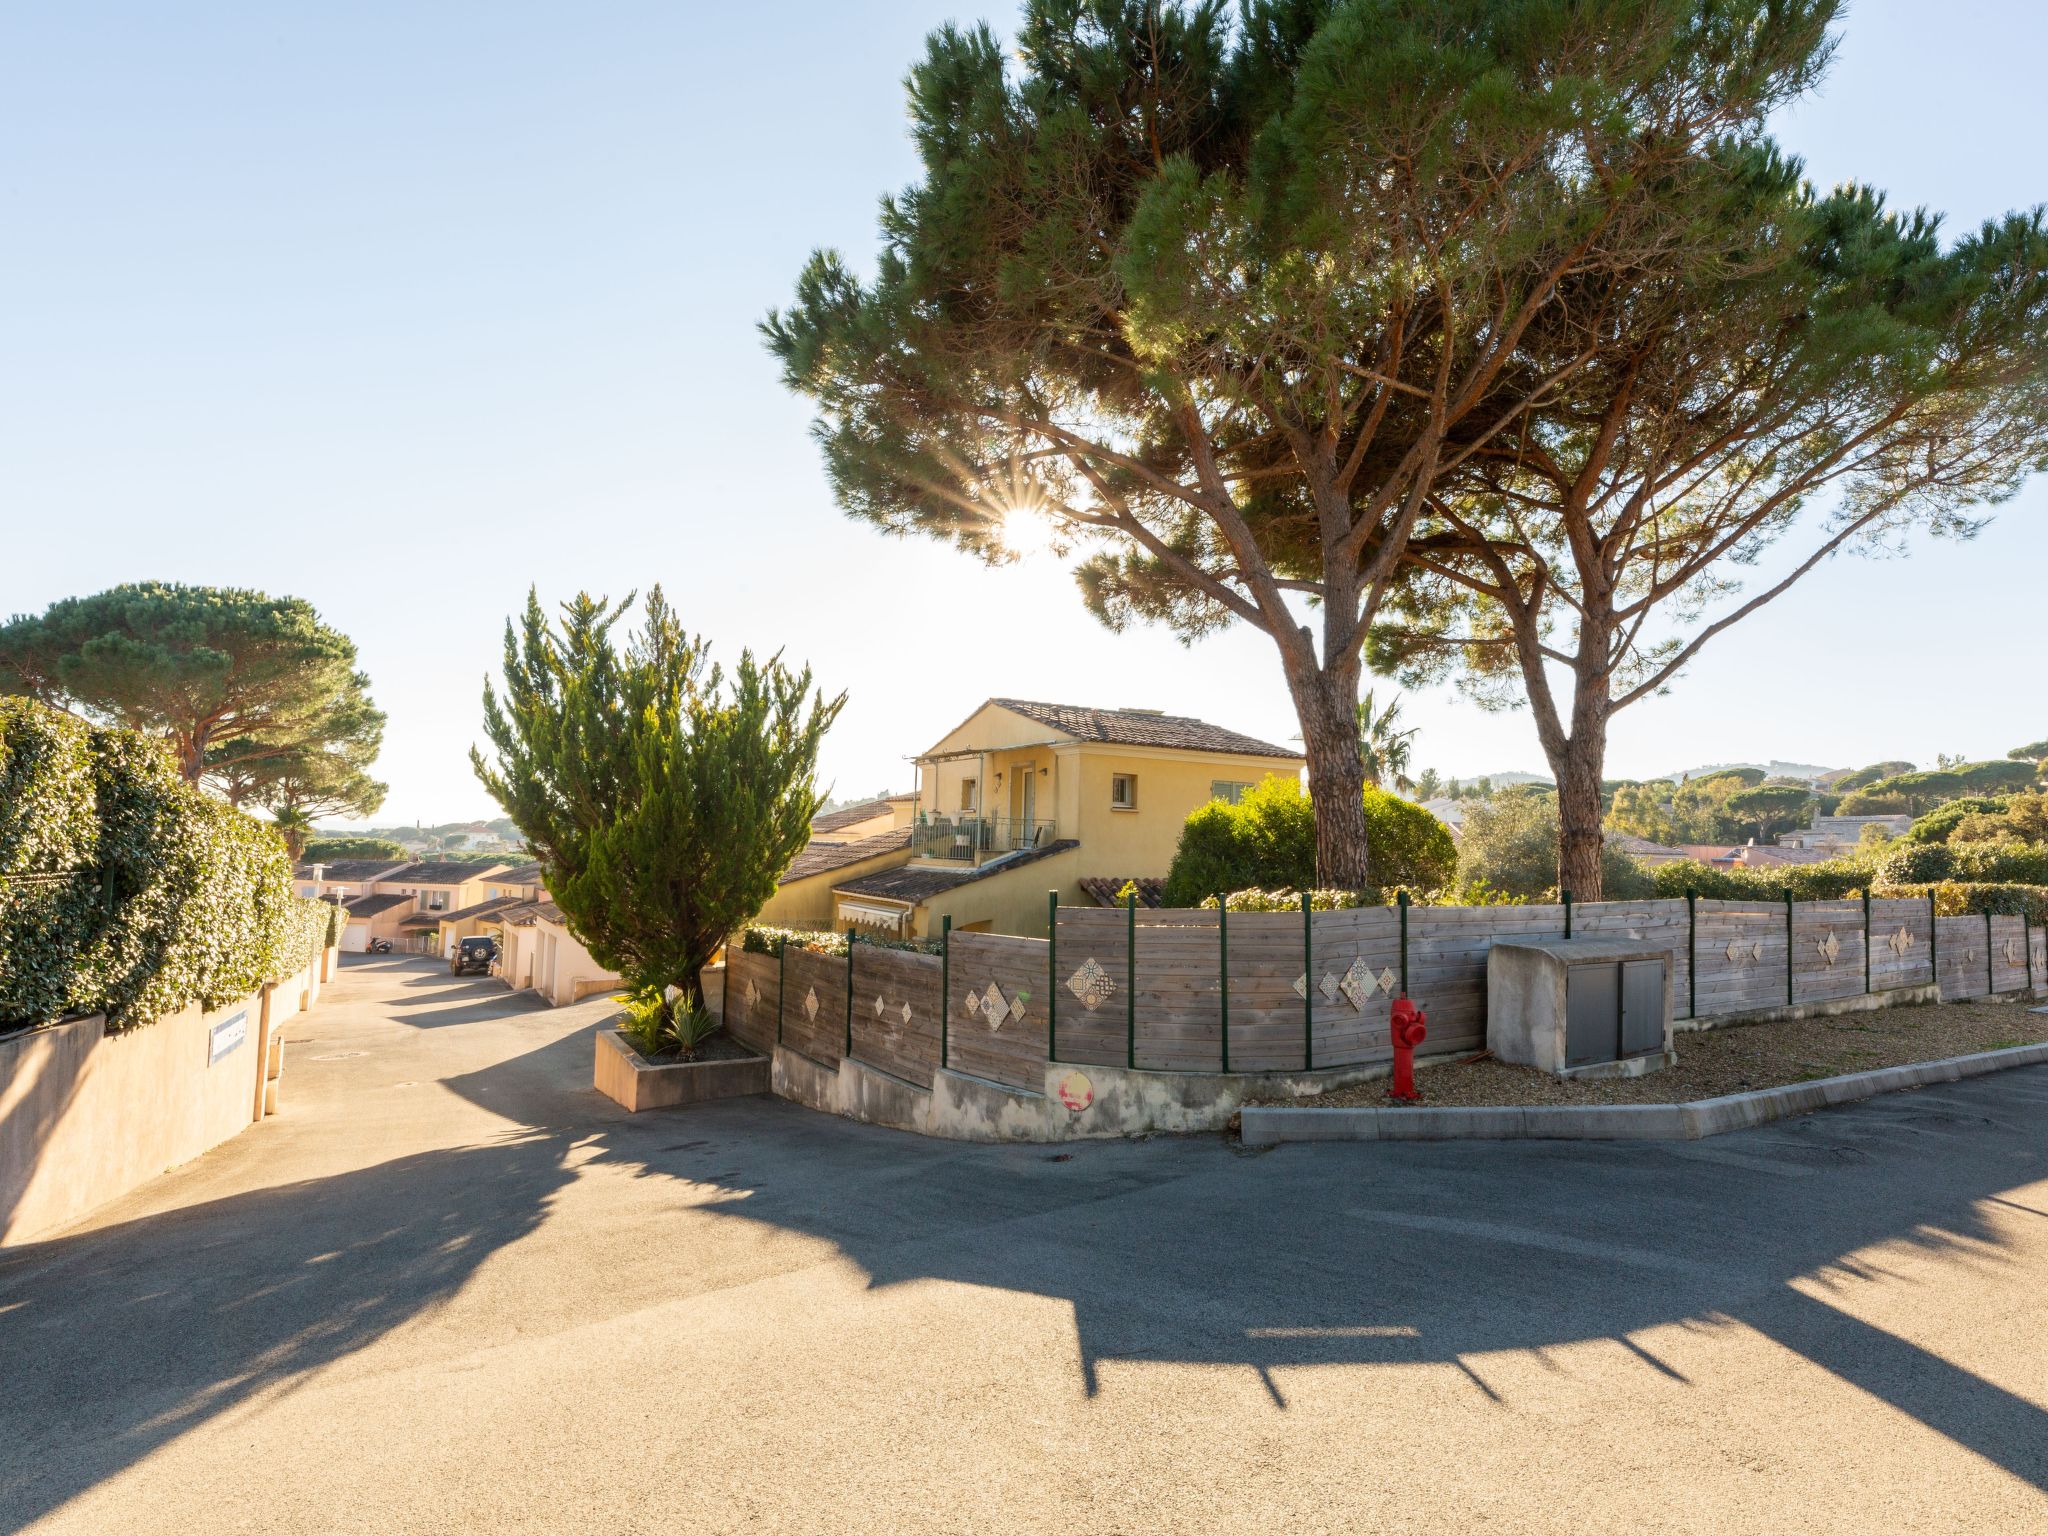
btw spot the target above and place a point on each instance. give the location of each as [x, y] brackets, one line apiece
[1198, 991]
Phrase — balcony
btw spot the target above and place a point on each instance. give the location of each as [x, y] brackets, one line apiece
[971, 839]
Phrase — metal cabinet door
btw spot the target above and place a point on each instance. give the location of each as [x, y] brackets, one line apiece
[1592, 1013]
[1642, 1007]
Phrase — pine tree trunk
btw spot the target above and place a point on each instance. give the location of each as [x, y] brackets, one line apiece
[1327, 704]
[1579, 766]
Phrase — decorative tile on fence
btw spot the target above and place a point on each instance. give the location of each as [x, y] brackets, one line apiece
[814, 1004]
[751, 998]
[896, 1012]
[997, 1008]
[1741, 950]
[1901, 948]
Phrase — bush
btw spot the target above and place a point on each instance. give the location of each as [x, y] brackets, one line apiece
[173, 897]
[1267, 841]
[1508, 854]
[1962, 898]
[2002, 862]
[1833, 880]
[1284, 900]
[765, 939]
[325, 850]
[1939, 824]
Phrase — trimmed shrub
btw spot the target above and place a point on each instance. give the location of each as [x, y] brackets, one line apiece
[1284, 900]
[1829, 881]
[1267, 841]
[1963, 898]
[765, 939]
[2001, 862]
[172, 897]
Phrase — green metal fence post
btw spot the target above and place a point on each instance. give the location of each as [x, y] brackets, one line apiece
[849, 992]
[1401, 901]
[1052, 975]
[1934, 942]
[946, 985]
[1692, 954]
[1223, 967]
[2027, 943]
[1990, 962]
[1866, 941]
[1308, 989]
[781, 983]
[1567, 895]
[1789, 971]
[1131, 981]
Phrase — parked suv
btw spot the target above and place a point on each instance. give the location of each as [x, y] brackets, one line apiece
[473, 956]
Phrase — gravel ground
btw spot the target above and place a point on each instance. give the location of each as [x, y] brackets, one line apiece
[1735, 1059]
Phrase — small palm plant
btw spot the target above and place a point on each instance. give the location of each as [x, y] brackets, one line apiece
[657, 1023]
[1386, 750]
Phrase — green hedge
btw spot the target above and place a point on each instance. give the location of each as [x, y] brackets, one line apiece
[163, 896]
[1829, 881]
[1964, 898]
[764, 939]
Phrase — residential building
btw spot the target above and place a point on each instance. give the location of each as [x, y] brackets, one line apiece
[1022, 798]
[1838, 834]
[536, 950]
[343, 878]
[406, 901]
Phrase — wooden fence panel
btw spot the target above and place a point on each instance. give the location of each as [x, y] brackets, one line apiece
[2008, 953]
[1094, 945]
[1180, 991]
[750, 998]
[1001, 1039]
[1268, 1019]
[2037, 939]
[1964, 956]
[814, 1004]
[896, 1011]
[1900, 952]
[1360, 947]
[1827, 950]
[1661, 921]
[1742, 955]
[1447, 949]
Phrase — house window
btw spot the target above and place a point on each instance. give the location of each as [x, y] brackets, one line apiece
[433, 901]
[1229, 791]
[968, 789]
[1123, 791]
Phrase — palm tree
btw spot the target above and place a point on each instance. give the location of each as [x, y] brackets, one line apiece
[1386, 750]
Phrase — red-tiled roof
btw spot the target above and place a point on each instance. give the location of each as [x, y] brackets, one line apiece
[915, 885]
[822, 858]
[1142, 728]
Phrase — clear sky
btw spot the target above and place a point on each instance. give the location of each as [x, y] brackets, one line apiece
[400, 307]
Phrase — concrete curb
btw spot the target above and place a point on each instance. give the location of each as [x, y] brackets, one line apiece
[1269, 1125]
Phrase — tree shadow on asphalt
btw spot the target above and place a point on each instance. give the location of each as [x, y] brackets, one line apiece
[115, 1341]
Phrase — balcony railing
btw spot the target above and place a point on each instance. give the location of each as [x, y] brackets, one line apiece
[971, 839]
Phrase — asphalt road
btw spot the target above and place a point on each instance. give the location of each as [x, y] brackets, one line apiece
[452, 1289]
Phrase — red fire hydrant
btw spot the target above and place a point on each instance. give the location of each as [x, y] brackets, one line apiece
[1410, 1025]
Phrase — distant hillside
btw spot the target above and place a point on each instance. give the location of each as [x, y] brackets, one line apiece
[1773, 769]
[1507, 780]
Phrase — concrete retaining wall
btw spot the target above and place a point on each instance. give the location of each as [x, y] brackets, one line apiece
[1072, 1102]
[86, 1116]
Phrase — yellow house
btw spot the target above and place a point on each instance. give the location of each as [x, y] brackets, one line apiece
[437, 889]
[1022, 798]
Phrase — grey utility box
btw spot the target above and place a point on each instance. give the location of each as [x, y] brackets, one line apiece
[1580, 1007]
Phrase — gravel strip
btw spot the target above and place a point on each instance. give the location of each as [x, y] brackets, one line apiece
[1733, 1059]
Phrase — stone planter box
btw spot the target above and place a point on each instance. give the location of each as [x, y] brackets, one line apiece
[629, 1079]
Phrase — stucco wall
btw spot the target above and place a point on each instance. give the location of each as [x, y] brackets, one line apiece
[1010, 902]
[1141, 842]
[563, 970]
[86, 1116]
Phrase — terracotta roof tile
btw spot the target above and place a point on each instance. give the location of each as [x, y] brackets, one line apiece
[822, 858]
[915, 885]
[1141, 728]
